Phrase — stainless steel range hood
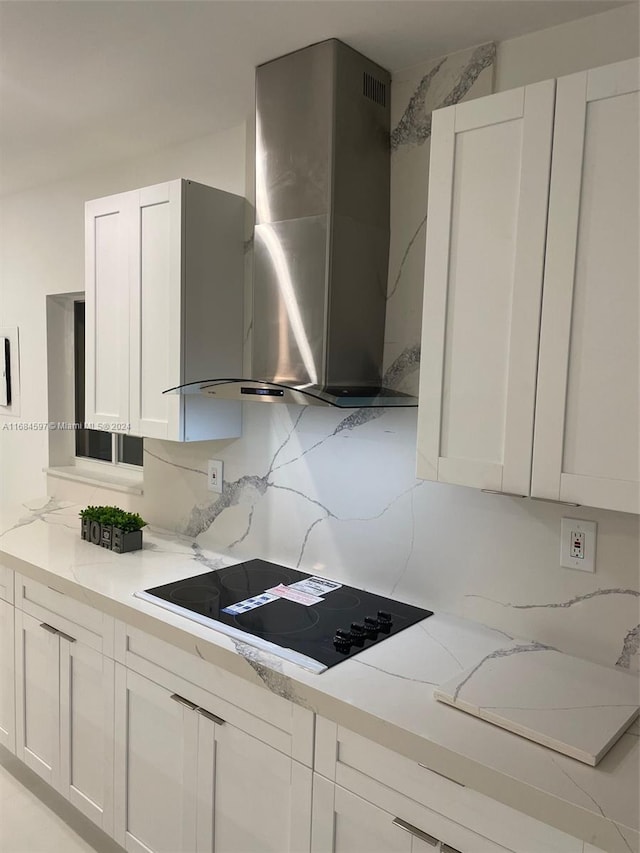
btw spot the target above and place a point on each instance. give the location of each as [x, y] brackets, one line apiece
[321, 246]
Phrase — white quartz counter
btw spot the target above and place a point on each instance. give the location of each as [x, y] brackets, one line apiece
[385, 693]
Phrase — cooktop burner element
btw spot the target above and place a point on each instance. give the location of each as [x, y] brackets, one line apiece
[315, 619]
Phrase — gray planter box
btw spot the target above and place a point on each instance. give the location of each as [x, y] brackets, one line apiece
[123, 542]
[110, 537]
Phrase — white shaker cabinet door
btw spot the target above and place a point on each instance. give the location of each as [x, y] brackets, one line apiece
[37, 697]
[488, 195]
[164, 287]
[86, 730]
[156, 327]
[7, 686]
[108, 227]
[251, 797]
[155, 767]
[586, 447]
[345, 823]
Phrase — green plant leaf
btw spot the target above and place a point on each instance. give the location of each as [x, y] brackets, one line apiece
[114, 516]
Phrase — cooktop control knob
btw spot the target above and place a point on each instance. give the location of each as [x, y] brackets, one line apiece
[342, 640]
[384, 620]
[357, 633]
[370, 626]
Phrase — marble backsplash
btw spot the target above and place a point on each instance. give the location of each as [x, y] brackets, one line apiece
[415, 93]
[335, 492]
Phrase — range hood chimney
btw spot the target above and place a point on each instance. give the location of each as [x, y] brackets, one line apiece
[321, 247]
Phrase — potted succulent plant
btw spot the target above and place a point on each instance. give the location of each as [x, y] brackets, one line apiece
[112, 527]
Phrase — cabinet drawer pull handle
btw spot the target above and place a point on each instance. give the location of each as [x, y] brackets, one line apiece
[182, 701]
[448, 778]
[553, 501]
[504, 494]
[66, 637]
[49, 628]
[203, 711]
[412, 830]
[444, 848]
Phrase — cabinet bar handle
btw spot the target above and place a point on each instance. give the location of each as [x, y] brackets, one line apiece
[66, 637]
[182, 701]
[553, 501]
[49, 628]
[412, 830]
[448, 778]
[504, 494]
[444, 848]
[203, 711]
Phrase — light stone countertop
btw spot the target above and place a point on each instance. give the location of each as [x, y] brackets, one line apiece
[385, 693]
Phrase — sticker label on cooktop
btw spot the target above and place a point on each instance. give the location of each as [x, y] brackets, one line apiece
[249, 603]
[295, 595]
[315, 586]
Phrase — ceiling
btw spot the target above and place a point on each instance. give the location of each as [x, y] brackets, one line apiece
[88, 82]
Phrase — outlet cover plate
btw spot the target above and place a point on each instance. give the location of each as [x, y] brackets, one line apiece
[569, 526]
[214, 476]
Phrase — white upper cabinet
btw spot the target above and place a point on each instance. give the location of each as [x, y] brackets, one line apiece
[513, 243]
[164, 286]
[108, 224]
[488, 190]
[587, 432]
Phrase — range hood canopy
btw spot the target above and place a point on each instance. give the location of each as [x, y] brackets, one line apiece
[321, 244]
[343, 397]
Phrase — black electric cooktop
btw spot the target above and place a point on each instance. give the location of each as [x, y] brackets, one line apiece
[330, 623]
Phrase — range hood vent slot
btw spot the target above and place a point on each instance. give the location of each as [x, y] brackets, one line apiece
[374, 89]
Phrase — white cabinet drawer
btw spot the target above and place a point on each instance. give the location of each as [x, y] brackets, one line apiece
[343, 822]
[274, 720]
[6, 584]
[66, 614]
[424, 798]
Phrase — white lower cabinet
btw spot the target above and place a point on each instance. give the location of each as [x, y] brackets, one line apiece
[6, 584]
[261, 797]
[155, 768]
[345, 823]
[364, 790]
[86, 731]
[64, 715]
[7, 678]
[169, 753]
[186, 780]
[37, 697]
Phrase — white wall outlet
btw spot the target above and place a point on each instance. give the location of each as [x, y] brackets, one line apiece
[214, 476]
[578, 544]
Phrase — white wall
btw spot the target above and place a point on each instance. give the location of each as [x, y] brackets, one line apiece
[576, 46]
